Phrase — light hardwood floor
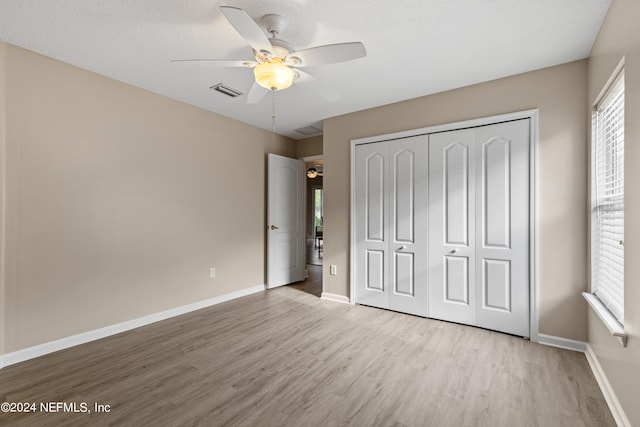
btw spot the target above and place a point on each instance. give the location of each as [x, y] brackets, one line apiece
[287, 358]
[315, 251]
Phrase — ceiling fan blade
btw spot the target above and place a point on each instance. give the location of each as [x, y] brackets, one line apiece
[307, 81]
[248, 29]
[327, 54]
[219, 62]
[256, 93]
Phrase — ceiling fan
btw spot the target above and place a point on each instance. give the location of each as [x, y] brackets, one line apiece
[315, 171]
[277, 65]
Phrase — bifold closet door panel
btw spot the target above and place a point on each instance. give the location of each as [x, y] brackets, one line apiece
[502, 227]
[391, 224]
[371, 224]
[452, 291]
[479, 226]
[408, 224]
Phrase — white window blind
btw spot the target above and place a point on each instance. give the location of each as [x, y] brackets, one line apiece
[607, 224]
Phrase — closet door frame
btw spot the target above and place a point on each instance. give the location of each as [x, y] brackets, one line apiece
[532, 115]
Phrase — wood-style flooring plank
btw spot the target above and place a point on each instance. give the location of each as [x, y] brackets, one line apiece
[284, 357]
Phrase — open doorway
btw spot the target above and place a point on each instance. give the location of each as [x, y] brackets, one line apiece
[315, 250]
[315, 215]
[314, 226]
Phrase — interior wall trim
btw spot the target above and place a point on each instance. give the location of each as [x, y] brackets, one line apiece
[565, 343]
[609, 395]
[335, 298]
[96, 334]
[605, 387]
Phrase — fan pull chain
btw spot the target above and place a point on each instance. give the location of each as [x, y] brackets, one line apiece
[273, 120]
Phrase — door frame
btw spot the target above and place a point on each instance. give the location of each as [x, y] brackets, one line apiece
[532, 115]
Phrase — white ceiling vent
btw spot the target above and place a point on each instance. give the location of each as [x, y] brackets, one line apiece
[222, 88]
[309, 130]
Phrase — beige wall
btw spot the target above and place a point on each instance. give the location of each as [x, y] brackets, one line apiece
[620, 37]
[559, 94]
[119, 201]
[2, 205]
[309, 147]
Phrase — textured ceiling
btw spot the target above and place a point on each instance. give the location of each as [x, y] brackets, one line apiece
[415, 47]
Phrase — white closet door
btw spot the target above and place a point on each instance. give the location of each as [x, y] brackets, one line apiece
[502, 227]
[391, 224]
[371, 224]
[479, 226]
[452, 292]
[408, 214]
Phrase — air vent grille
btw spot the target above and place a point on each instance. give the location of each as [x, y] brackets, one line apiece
[309, 130]
[224, 89]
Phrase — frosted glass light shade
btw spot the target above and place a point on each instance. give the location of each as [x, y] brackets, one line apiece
[274, 75]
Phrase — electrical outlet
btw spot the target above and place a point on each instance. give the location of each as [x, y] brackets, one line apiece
[212, 272]
[333, 270]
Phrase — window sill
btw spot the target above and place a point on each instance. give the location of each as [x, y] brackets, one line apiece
[612, 324]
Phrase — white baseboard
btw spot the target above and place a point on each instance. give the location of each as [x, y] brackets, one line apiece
[609, 395]
[607, 390]
[565, 343]
[335, 298]
[85, 337]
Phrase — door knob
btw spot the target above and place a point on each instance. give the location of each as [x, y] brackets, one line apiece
[274, 227]
[453, 251]
[402, 248]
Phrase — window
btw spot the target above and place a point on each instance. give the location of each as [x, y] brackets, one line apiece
[317, 206]
[607, 215]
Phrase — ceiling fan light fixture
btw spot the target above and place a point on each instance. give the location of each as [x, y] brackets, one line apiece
[273, 74]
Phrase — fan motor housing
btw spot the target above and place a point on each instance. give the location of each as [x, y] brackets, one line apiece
[280, 47]
[280, 50]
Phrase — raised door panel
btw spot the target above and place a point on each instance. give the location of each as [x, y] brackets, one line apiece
[409, 224]
[371, 257]
[374, 214]
[496, 285]
[456, 280]
[404, 275]
[404, 195]
[456, 194]
[502, 271]
[451, 228]
[496, 193]
[374, 279]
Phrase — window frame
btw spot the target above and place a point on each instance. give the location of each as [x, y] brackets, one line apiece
[607, 299]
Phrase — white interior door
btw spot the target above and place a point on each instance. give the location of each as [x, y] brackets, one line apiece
[452, 291]
[408, 219]
[285, 221]
[391, 184]
[502, 231]
[371, 229]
